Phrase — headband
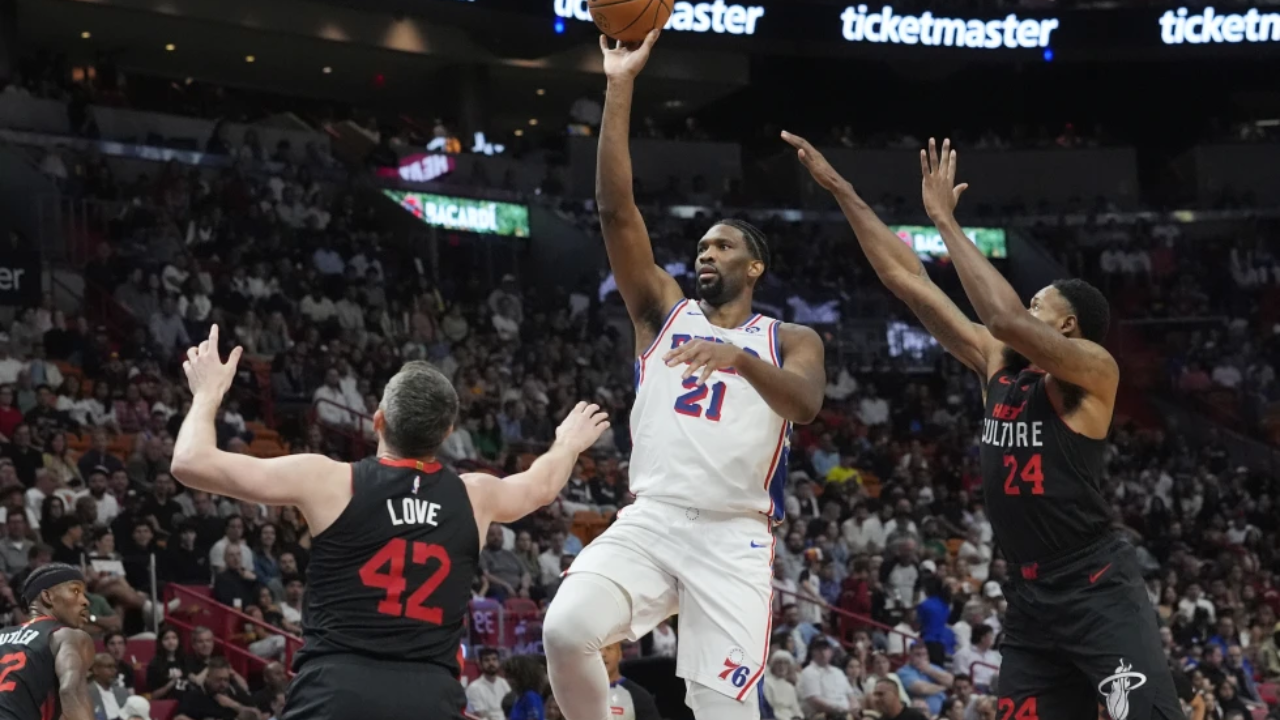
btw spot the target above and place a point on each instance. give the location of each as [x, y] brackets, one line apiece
[49, 579]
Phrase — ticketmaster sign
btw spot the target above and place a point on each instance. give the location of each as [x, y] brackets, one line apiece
[465, 214]
[886, 26]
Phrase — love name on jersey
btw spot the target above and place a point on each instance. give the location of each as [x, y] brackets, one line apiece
[680, 339]
[18, 637]
[414, 512]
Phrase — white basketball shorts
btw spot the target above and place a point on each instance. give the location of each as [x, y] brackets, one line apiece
[712, 568]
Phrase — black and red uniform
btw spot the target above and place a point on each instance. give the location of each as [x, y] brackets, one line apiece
[1080, 629]
[387, 593]
[28, 679]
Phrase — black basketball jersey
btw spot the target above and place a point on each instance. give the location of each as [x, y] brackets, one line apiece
[391, 578]
[28, 681]
[1041, 480]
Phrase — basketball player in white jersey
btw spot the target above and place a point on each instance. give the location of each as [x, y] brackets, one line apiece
[717, 389]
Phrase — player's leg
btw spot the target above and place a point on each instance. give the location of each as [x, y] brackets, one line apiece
[1112, 636]
[1039, 685]
[726, 587]
[616, 589]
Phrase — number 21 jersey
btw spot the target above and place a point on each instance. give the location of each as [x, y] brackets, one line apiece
[1041, 480]
[718, 446]
[391, 578]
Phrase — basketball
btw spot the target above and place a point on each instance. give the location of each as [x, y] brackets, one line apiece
[629, 21]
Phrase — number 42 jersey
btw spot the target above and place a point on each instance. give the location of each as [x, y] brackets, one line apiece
[391, 578]
[718, 446]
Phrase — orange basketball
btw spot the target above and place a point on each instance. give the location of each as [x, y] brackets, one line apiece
[629, 20]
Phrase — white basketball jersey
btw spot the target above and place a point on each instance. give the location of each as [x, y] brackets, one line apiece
[719, 446]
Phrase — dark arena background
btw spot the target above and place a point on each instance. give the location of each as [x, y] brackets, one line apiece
[345, 186]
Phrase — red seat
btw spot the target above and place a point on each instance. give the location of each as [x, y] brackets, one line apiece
[522, 607]
[163, 709]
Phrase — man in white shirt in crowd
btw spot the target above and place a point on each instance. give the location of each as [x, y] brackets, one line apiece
[822, 687]
[332, 404]
[980, 660]
[863, 533]
[873, 410]
[1194, 599]
[485, 694]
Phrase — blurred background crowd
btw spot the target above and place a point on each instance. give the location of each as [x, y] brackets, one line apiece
[151, 204]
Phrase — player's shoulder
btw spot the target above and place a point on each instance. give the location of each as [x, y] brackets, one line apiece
[75, 639]
[792, 336]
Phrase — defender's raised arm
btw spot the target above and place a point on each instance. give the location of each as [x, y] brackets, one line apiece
[901, 271]
[1078, 361]
[648, 291]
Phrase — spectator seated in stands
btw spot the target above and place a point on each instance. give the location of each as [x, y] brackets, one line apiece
[780, 687]
[486, 693]
[108, 696]
[235, 585]
[167, 671]
[979, 660]
[924, 680]
[504, 571]
[824, 688]
[219, 696]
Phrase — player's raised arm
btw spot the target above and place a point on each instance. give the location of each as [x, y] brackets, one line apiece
[1080, 362]
[71, 662]
[901, 271]
[511, 498]
[318, 485]
[648, 290]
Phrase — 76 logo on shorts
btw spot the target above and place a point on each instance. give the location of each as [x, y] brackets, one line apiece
[734, 671]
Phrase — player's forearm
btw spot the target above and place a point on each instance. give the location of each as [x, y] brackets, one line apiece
[548, 475]
[993, 298]
[893, 260]
[613, 161]
[197, 445]
[790, 395]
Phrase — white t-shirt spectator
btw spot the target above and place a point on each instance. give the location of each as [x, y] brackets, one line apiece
[318, 310]
[873, 411]
[218, 555]
[860, 538]
[1227, 376]
[484, 697]
[458, 446]
[664, 641]
[981, 674]
[1110, 261]
[350, 314]
[334, 410]
[10, 366]
[827, 684]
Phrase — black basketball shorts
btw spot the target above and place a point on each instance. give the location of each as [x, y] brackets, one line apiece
[351, 687]
[1080, 632]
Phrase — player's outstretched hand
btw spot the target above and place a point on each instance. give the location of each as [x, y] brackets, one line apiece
[815, 163]
[703, 358]
[582, 427]
[941, 194]
[207, 375]
[625, 61]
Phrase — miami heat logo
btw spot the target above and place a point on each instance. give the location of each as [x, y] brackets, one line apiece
[1117, 688]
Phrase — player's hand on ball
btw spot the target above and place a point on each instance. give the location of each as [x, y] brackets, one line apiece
[206, 373]
[941, 194]
[703, 358]
[582, 427]
[624, 62]
[815, 163]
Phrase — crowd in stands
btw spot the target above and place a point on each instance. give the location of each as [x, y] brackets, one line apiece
[887, 585]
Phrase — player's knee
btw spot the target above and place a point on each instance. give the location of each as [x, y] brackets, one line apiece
[709, 704]
[586, 611]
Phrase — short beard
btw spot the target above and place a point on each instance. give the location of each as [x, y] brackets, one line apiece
[715, 293]
[1013, 360]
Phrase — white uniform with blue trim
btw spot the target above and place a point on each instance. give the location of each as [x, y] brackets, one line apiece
[707, 468]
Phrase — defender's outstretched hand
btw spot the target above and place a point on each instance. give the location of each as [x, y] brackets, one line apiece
[815, 163]
[582, 427]
[941, 194]
[206, 373]
[625, 62]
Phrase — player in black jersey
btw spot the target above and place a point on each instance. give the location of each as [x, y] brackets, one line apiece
[44, 662]
[395, 540]
[1080, 630]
